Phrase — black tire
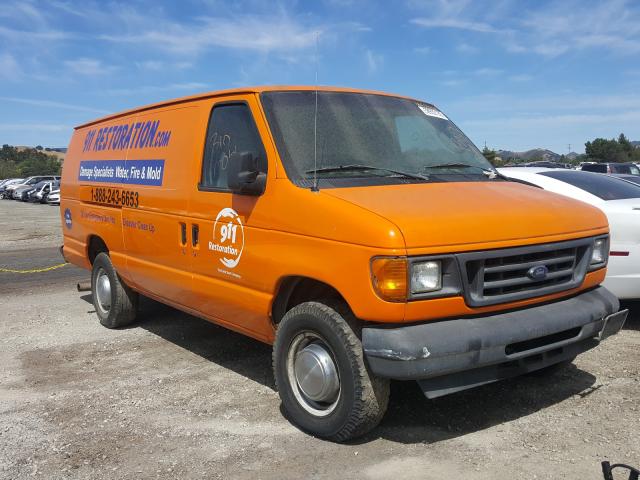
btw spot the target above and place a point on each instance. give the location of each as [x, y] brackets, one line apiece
[362, 399]
[552, 369]
[123, 302]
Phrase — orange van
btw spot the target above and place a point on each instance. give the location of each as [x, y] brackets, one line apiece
[360, 233]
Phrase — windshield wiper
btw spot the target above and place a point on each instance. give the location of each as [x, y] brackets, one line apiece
[358, 167]
[491, 173]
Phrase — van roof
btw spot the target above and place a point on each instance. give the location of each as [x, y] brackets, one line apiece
[233, 91]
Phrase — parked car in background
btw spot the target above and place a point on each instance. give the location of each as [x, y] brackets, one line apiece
[54, 197]
[25, 192]
[626, 168]
[7, 183]
[42, 194]
[21, 192]
[28, 182]
[618, 199]
[546, 164]
[629, 178]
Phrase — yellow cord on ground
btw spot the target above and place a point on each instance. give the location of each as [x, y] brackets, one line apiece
[35, 270]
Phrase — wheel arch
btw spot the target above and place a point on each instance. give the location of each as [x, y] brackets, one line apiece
[293, 290]
[95, 246]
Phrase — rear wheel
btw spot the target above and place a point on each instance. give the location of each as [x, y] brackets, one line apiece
[115, 303]
[321, 375]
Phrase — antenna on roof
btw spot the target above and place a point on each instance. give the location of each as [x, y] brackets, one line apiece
[314, 187]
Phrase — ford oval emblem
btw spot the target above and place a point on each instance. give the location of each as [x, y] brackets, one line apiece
[539, 272]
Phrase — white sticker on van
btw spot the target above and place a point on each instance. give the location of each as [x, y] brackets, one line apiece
[228, 237]
[431, 111]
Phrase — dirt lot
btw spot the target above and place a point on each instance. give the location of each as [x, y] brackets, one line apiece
[177, 397]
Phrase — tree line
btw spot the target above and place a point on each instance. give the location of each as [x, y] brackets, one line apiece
[599, 150]
[22, 163]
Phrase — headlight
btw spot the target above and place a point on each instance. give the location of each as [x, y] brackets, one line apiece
[600, 252]
[426, 276]
[401, 279]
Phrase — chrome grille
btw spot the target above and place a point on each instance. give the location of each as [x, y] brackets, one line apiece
[497, 276]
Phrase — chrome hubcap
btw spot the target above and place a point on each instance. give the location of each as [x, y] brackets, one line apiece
[313, 375]
[103, 290]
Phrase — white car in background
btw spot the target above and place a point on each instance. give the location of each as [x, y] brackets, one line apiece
[54, 197]
[618, 199]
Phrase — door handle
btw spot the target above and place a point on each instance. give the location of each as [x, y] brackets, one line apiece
[183, 234]
[195, 230]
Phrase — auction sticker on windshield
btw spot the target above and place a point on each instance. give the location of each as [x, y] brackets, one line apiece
[431, 111]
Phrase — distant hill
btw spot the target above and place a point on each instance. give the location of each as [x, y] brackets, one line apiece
[543, 154]
[59, 153]
[534, 154]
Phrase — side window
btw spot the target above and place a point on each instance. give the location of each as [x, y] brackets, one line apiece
[231, 129]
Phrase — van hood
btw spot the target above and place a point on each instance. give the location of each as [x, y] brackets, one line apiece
[464, 213]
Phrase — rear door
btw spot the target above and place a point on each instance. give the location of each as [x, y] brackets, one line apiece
[154, 224]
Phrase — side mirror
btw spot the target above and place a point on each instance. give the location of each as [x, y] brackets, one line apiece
[244, 175]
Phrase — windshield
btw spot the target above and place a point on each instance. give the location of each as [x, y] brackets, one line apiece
[362, 137]
[602, 186]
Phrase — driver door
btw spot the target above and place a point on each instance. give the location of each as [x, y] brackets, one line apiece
[226, 231]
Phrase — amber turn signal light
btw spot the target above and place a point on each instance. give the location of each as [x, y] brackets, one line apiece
[389, 276]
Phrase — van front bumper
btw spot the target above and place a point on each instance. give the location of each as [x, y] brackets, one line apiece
[452, 355]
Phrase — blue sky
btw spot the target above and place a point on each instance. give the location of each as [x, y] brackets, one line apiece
[516, 74]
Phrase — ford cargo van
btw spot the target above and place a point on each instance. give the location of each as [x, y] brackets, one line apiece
[360, 233]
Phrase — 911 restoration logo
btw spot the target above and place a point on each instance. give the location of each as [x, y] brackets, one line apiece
[228, 238]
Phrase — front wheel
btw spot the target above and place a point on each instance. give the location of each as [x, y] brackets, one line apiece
[321, 375]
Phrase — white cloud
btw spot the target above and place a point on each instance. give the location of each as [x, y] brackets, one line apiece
[374, 61]
[51, 104]
[245, 32]
[150, 65]
[30, 37]
[613, 26]
[487, 72]
[423, 50]
[540, 105]
[520, 122]
[34, 127]
[466, 48]
[9, 67]
[89, 66]
[453, 82]
[188, 86]
[549, 30]
[156, 65]
[523, 77]
[21, 11]
[561, 120]
[455, 24]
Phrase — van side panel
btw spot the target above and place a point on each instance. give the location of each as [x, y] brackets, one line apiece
[159, 258]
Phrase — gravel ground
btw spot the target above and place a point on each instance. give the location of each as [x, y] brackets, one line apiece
[177, 397]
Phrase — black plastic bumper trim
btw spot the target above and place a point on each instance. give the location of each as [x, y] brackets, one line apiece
[478, 345]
